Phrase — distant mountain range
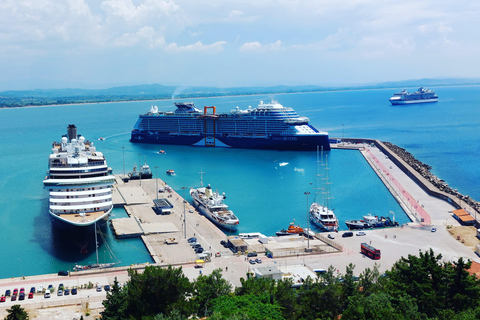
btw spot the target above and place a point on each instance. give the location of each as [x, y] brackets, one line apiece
[20, 98]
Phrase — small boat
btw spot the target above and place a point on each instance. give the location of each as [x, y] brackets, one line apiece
[144, 173]
[101, 138]
[170, 172]
[370, 221]
[162, 152]
[292, 229]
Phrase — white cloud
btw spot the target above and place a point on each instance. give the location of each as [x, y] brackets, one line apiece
[197, 47]
[258, 47]
[126, 10]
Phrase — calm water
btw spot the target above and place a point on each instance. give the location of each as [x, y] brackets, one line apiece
[265, 195]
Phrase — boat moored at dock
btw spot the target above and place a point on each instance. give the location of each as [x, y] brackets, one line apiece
[269, 126]
[422, 95]
[79, 182]
[211, 205]
[143, 173]
[370, 221]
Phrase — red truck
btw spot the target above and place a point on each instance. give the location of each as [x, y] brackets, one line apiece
[370, 251]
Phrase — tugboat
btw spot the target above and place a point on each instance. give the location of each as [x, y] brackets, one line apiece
[292, 229]
[144, 173]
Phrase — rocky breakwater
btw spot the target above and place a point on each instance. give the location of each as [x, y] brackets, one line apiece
[424, 170]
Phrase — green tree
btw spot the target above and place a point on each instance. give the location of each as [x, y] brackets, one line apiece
[16, 313]
[254, 307]
[115, 304]
[206, 289]
[157, 291]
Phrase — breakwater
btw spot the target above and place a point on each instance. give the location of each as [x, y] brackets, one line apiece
[420, 173]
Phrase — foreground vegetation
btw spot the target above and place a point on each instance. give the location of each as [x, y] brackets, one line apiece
[417, 287]
[420, 287]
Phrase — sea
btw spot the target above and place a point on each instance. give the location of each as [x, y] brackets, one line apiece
[266, 189]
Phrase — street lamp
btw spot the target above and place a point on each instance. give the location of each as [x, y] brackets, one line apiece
[123, 151]
[156, 180]
[308, 221]
[184, 215]
[139, 169]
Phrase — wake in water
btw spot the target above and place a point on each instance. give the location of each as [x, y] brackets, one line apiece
[113, 135]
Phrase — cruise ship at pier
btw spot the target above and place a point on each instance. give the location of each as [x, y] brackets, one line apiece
[79, 182]
[422, 95]
[269, 126]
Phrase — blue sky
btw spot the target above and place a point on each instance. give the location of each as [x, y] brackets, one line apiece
[104, 43]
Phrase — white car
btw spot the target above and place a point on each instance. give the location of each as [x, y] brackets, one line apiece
[361, 233]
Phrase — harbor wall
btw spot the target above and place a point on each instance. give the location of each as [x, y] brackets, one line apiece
[453, 199]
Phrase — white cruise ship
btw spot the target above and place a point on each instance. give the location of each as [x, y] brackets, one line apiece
[79, 182]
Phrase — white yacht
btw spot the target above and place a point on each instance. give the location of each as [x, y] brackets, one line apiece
[211, 205]
[79, 182]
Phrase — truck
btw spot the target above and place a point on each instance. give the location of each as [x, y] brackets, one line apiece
[370, 251]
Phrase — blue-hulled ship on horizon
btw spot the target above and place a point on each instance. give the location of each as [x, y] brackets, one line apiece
[269, 126]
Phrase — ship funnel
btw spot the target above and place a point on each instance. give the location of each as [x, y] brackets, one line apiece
[208, 191]
[72, 132]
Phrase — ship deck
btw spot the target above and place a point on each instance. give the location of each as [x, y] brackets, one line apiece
[77, 218]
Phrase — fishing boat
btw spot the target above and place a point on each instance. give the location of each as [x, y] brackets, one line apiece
[321, 214]
[143, 173]
[371, 221]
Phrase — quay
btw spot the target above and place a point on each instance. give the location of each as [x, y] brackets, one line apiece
[426, 206]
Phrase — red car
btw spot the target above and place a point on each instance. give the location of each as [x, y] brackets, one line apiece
[22, 290]
[14, 297]
[15, 291]
[2, 299]
[30, 295]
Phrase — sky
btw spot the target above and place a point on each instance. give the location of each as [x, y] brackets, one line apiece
[104, 43]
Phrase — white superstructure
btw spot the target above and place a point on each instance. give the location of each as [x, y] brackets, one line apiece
[79, 181]
[211, 205]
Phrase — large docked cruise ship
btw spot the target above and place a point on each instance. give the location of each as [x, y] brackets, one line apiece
[269, 126]
[422, 95]
[79, 182]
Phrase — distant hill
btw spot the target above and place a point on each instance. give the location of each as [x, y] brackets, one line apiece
[21, 98]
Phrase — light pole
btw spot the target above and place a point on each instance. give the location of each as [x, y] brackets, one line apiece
[184, 215]
[139, 169]
[308, 221]
[156, 181]
[123, 151]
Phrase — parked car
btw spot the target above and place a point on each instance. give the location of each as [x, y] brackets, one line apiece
[15, 291]
[60, 293]
[22, 290]
[30, 295]
[99, 288]
[3, 298]
[40, 289]
[14, 297]
[347, 234]
[21, 296]
[199, 250]
[7, 293]
[361, 233]
[63, 273]
[32, 289]
[47, 295]
[251, 261]
[434, 229]
[258, 260]
[196, 245]
[66, 292]
[107, 287]
[252, 254]
[74, 291]
[192, 240]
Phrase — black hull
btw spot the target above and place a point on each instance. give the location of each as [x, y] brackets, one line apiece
[296, 143]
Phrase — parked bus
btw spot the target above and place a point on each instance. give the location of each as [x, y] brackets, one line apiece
[370, 251]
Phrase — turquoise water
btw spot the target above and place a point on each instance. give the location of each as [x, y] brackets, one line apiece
[265, 196]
